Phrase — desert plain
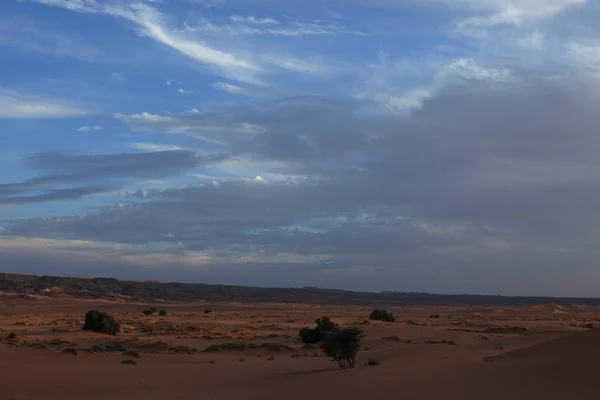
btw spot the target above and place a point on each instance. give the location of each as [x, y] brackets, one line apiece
[221, 350]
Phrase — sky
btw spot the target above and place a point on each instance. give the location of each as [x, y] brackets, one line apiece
[448, 146]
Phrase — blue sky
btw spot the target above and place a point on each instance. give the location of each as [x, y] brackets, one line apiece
[416, 145]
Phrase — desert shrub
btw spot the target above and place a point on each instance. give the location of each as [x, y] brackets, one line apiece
[131, 353]
[382, 315]
[506, 329]
[153, 309]
[371, 363]
[270, 358]
[589, 326]
[70, 350]
[342, 345]
[309, 335]
[148, 312]
[272, 346]
[239, 346]
[131, 362]
[241, 360]
[162, 313]
[450, 342]
[324, 326]
[207, 311]
[11, 336]
[99, 321]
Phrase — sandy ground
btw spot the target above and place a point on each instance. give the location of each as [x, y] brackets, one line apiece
[554, 356]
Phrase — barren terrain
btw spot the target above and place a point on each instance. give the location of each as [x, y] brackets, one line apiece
[224, 350]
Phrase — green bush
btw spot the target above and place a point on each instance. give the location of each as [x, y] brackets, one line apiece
[162, 313]
[382, 315]
[343, 345]
[99, 321]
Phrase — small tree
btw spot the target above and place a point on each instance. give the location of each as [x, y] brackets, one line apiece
[99, 321]
[382, 315]
[343, 345]
[324, 326]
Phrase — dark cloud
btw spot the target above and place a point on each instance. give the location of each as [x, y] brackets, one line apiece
[53, 195]
[484, 175]
[111, 170]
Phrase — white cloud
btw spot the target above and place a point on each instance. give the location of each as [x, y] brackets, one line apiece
[467, 68]
[514, 12]
[533, 41]
[387, 85]
[298, 65]
[155, 147]
[519, 14]
[151, 122]
[142, 117]
[227, 87]
[404, 100]
[87, 128]
[182, 91]
[585, 54]
[17, 105]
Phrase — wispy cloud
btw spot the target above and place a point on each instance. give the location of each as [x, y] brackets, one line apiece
[87, 128]
[24, 106]
[254, 20]
[144, 146]
[253, 26]
[518, 12]
[67, 176]
[150, 23]
[227, 87]
[183, 91]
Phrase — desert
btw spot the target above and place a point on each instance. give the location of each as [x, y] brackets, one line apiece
[199, 349]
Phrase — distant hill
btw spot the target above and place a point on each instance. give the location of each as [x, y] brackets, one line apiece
[33, 286]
